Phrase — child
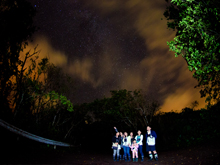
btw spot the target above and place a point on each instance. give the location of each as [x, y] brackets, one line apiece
[134, 149]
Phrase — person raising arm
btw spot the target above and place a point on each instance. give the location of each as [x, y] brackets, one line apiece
[116, 141]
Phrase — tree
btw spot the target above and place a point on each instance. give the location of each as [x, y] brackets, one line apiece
[122, 104]
[36, 104]
[59, 81]
[197, 25]
[28, 93]
[194, 104]
[32, 85]
[16, 26]
[128, 108]
[146, 106]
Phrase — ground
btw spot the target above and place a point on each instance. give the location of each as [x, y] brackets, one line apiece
[204, 154]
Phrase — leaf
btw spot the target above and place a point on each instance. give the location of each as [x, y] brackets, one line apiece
[197, 39]
[190, 68]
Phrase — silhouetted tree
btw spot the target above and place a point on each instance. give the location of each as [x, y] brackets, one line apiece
[16, 26]
[194, 104]
[127, 108]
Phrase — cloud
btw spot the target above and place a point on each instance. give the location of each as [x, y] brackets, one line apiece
[131, 80]
[159, 70]
[182, 98]
[132, 52]
[82, 69]
[45, 49]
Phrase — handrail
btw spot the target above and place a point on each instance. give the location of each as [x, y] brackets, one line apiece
[32, 136]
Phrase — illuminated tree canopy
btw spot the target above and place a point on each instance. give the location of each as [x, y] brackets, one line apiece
[197, 25]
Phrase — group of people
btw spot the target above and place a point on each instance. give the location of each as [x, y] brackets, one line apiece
[122, 144]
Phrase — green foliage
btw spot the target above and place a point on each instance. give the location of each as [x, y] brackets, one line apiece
[63, 100]
[197, 25]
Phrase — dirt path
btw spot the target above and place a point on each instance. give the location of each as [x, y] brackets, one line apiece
[200, 155]
[205, 154]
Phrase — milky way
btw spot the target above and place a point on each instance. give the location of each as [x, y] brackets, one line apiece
[114, 44]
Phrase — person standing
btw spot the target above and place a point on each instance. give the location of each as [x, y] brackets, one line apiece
[150, 143]
[126, 144]
[116, 142]
[132, 137]
[139, 139]
[134, 149]
[121, 136]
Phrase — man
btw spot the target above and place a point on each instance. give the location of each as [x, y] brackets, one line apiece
[150, 143]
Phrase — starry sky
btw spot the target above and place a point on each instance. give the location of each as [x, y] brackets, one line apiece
[114, 44]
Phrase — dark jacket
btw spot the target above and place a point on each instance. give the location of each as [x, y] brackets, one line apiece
[132, 139]
[153, 133]
[116, 139]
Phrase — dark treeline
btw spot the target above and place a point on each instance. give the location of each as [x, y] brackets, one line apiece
[175, 130]
[92, 122]
[188, 127]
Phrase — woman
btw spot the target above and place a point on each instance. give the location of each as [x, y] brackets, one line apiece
[132, 137]
[116, 142]
[121, 136]
[126, 144]
[139, 139]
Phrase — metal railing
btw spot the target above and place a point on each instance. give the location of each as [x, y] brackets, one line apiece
[32, 136]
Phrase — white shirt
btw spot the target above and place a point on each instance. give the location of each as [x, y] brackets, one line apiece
[127, 141]
[139, 139]
[150, 139]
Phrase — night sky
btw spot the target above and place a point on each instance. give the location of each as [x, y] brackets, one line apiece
[114, 44]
